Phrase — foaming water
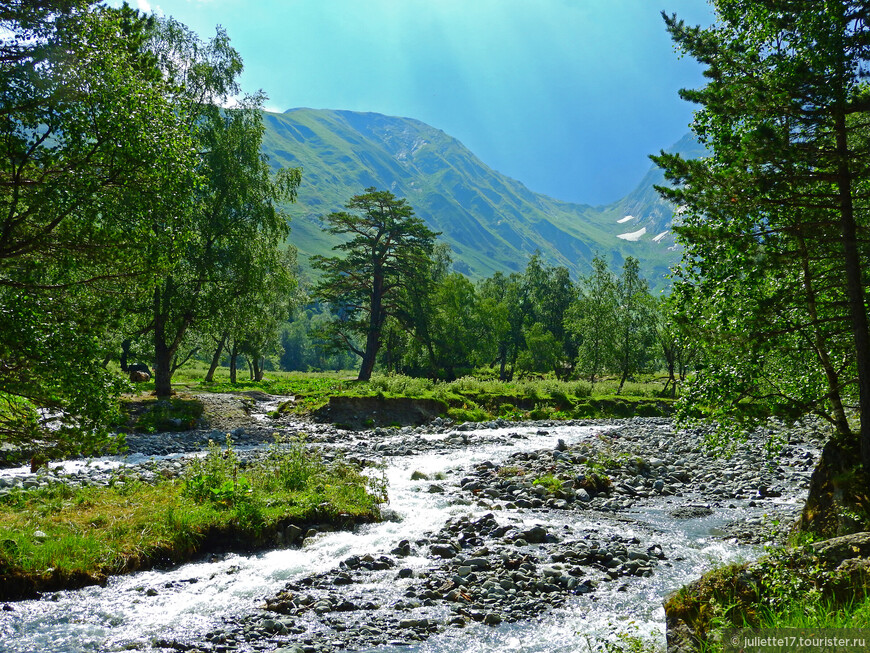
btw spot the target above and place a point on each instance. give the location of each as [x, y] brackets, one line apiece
[193, 599]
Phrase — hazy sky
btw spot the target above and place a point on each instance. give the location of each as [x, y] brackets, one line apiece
[567, 96]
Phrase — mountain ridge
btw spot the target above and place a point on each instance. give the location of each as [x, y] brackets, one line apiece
[491, 221]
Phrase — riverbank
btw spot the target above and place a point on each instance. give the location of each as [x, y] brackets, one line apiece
[824, 584]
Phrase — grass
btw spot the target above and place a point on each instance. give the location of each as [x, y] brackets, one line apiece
[468, 398]
[550, 482]
[57, 536]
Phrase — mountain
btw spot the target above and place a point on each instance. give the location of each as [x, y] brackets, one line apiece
[491, 222]
[643, 209]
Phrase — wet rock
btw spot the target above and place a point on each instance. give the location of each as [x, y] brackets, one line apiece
[442, 551]
[691, 512]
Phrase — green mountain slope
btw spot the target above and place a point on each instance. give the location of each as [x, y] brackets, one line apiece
[492, 222]
[644, 205]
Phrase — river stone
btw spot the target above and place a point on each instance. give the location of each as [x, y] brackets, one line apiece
[442, 551]
[492, 619]
[691, 512]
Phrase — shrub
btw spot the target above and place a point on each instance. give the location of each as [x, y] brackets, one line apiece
[290, 468]
[215, 477]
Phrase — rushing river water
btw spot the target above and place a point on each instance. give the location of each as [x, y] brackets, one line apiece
[137, 612]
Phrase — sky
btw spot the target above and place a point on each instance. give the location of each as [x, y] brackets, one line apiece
[567, 96]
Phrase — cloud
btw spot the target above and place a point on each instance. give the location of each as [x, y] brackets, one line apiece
[143, 6]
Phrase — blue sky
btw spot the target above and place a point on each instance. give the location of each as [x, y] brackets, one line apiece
[567, 96]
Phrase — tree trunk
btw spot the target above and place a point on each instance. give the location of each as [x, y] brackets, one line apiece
[821, 346]
[216, 359]
[162, 353]
[502, 362]
[373, 337]
[234, 354]
[854, 287]
[622, 381]
[125, 352]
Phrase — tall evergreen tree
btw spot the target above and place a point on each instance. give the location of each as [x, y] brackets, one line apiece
[776, 255]
[387, 253]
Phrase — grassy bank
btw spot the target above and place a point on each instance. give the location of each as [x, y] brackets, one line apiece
[60, 536]
[466, 399]
[821, 586]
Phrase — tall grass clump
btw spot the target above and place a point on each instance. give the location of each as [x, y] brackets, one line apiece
[399, 384]
[290, 468]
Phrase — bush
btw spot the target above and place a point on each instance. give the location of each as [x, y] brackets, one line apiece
[290, 468]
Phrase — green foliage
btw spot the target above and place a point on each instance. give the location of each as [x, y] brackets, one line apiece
[89, 134]
[591, 320]
[774, 274]
[384, 265]
[290, 468]
[52, 395]
[550, 482]
[215, 477]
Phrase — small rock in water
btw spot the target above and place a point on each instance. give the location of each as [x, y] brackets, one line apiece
[691, 512]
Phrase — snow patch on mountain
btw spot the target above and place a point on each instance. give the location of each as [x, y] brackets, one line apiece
[633, 235]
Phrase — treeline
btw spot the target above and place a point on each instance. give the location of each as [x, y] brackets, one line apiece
[539, 322]
[389, 297]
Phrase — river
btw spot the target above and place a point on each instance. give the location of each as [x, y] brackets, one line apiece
[192, 605]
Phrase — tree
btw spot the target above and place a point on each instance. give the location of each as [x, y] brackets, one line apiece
[679, 346]
[775, 229]
[633, 322]
[454, 326]
[548, 291]
[250, 319]
[234, 224]
[90, 145]
[591, 320]
[388, 251]
[500, 304]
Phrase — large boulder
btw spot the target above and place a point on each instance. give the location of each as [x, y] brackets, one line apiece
[837, 502]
